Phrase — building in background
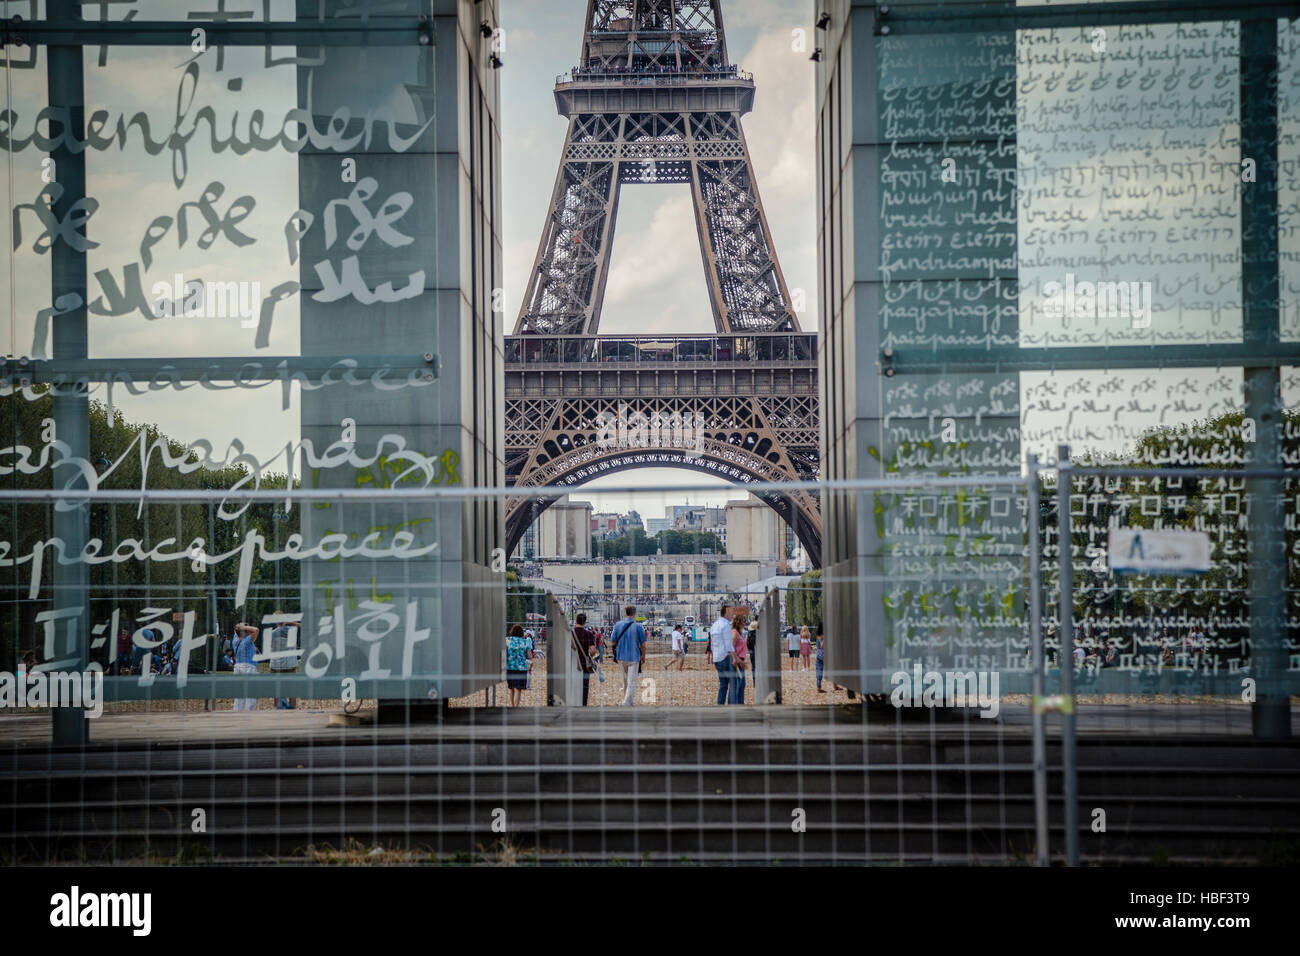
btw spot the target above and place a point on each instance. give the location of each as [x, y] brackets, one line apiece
[754, 531]
[654, 525]
[604, 525]
[629, 522]
[702, 519]
[562, 531]
[660, 586]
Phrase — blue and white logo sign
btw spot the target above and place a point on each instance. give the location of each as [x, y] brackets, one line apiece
[1144, 551]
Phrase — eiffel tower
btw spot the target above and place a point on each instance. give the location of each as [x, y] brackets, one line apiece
[656, 99]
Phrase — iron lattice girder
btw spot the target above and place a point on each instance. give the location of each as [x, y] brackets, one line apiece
[656, 100]
[782, 429]
[653, 33]
[604, 151]
[567, 441]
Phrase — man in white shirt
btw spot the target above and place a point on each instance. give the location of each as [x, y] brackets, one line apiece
[723, 652]
[679, 649]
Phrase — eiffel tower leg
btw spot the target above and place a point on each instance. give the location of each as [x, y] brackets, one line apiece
[747, 285]
[567, 285]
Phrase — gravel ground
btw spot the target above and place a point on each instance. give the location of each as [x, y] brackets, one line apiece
[696, 685]
[187, 706]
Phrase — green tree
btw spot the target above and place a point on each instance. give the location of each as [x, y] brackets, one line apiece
[1219, 597]
[522, 599]
[804, 600]
[137, 456]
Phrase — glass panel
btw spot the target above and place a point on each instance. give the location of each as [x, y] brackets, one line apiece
[1127, 152]
[1288, 181]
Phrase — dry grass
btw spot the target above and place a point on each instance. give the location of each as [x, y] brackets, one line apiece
[356, 853]
[502, 853]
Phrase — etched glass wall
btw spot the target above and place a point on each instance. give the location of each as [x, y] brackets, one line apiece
[1044, 227]
[251, 248]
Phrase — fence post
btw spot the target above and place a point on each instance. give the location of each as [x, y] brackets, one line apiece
[1261, 278]
[1038, 717]
[1065, 550]
[71, 401]
[563, 676]
[767, 678]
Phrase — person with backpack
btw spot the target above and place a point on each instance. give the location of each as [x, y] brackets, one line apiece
[792, 647]
[585, 640]
[285, 656]
[629, 650]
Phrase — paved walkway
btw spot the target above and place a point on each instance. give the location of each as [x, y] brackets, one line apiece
[756, 723]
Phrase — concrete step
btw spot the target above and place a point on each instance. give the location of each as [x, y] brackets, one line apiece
[928, 797]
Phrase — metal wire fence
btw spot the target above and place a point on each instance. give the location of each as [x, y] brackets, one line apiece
[271, 690]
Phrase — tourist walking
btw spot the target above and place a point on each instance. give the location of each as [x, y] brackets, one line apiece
[679, 649]
[723, 653]
[792, 647]
[586, 640]
[821, 657]
[738, 646]
[285, 655]
[629, 651]
[123, 651]
[805, 646]
[751, 642]
[245, 660]
[519, 657]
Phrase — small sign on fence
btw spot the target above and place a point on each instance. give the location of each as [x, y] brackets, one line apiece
[1146, 551]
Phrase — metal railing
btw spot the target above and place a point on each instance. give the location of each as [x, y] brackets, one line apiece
[210, 594]
[655, 77]
[778, 348]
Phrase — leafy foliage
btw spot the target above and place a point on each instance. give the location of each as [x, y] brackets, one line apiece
[803, 600]
[130, 456]
[636, 543]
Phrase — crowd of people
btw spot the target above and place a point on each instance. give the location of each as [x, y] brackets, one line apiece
[1098, 651]
[804, 649]
[157, 654]
[731, 647]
